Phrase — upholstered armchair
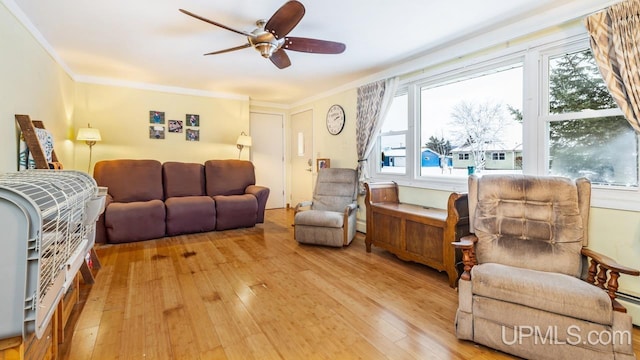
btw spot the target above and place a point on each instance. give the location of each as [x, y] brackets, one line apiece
[530, 287]
[331, 217]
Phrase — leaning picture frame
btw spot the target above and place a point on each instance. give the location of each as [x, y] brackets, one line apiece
[322, 163]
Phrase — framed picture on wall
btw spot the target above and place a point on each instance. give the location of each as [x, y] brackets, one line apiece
[175, 126]
[156, 117]
[323, 164]
[192, 135]
[156, 132]
[192, 120]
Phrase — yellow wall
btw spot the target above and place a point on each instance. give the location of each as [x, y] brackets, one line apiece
[31, 83]
[122, 115]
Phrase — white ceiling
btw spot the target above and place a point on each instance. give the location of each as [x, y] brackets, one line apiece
[151, 42]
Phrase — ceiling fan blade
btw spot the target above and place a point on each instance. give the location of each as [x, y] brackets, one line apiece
[313, 45]
[230, 49]
[280, 59]
[245, 33]
[285, 19]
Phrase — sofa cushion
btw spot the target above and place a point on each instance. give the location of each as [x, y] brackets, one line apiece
[190, 214]
[130, 180]
[235, 211]
[182, 179]
[134, 221]
[553, 292]
[228, 177]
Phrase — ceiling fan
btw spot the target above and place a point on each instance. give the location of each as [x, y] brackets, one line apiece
[270, 37]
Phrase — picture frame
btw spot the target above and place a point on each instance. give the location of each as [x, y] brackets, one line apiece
[192, 120]
[156, 132]
[156, 117]
[322, 163]
[175, 126]
[192, 135]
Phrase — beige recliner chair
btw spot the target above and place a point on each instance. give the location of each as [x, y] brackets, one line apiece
[530, 287]
[331, 219]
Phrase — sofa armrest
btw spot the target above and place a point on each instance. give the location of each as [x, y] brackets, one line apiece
[262, 195]
[101, 231]
[255, 189]
[108, 199]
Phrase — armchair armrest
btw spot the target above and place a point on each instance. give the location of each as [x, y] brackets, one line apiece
[466, 242]
[467, 245]
[349, 208]
[598, 268]
[303, 204]
[608, 263]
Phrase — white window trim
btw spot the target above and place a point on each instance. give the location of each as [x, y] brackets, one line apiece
[534, 131]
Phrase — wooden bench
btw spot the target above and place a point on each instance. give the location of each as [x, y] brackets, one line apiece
[416, 233]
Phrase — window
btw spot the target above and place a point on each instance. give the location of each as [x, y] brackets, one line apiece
[393, 137]
[449, 118]
[588, 136]
[472, 115]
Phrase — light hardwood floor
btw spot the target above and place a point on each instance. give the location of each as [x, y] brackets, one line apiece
[256, 294]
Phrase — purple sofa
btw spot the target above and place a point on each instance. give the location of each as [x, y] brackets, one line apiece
[148, 200]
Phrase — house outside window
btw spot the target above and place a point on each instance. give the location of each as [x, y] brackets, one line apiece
[498, 156]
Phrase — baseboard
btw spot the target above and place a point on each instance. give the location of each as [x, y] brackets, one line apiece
[361, 226]
[632, 303]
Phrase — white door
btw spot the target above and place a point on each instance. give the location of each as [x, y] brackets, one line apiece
[267, 154]
[301, 156]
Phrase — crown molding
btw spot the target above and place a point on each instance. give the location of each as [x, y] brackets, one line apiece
[160, 88]
[270, 105]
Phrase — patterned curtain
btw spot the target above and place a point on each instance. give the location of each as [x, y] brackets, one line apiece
[615, 42]
[374, 100]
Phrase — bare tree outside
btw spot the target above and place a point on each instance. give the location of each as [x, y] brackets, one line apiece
[476, 126]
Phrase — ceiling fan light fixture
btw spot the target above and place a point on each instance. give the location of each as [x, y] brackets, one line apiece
[266, 49]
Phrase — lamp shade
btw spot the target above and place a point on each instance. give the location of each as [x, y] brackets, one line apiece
[89, 134]
[244, 140]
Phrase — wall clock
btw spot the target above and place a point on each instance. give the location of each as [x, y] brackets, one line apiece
[335, 119]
